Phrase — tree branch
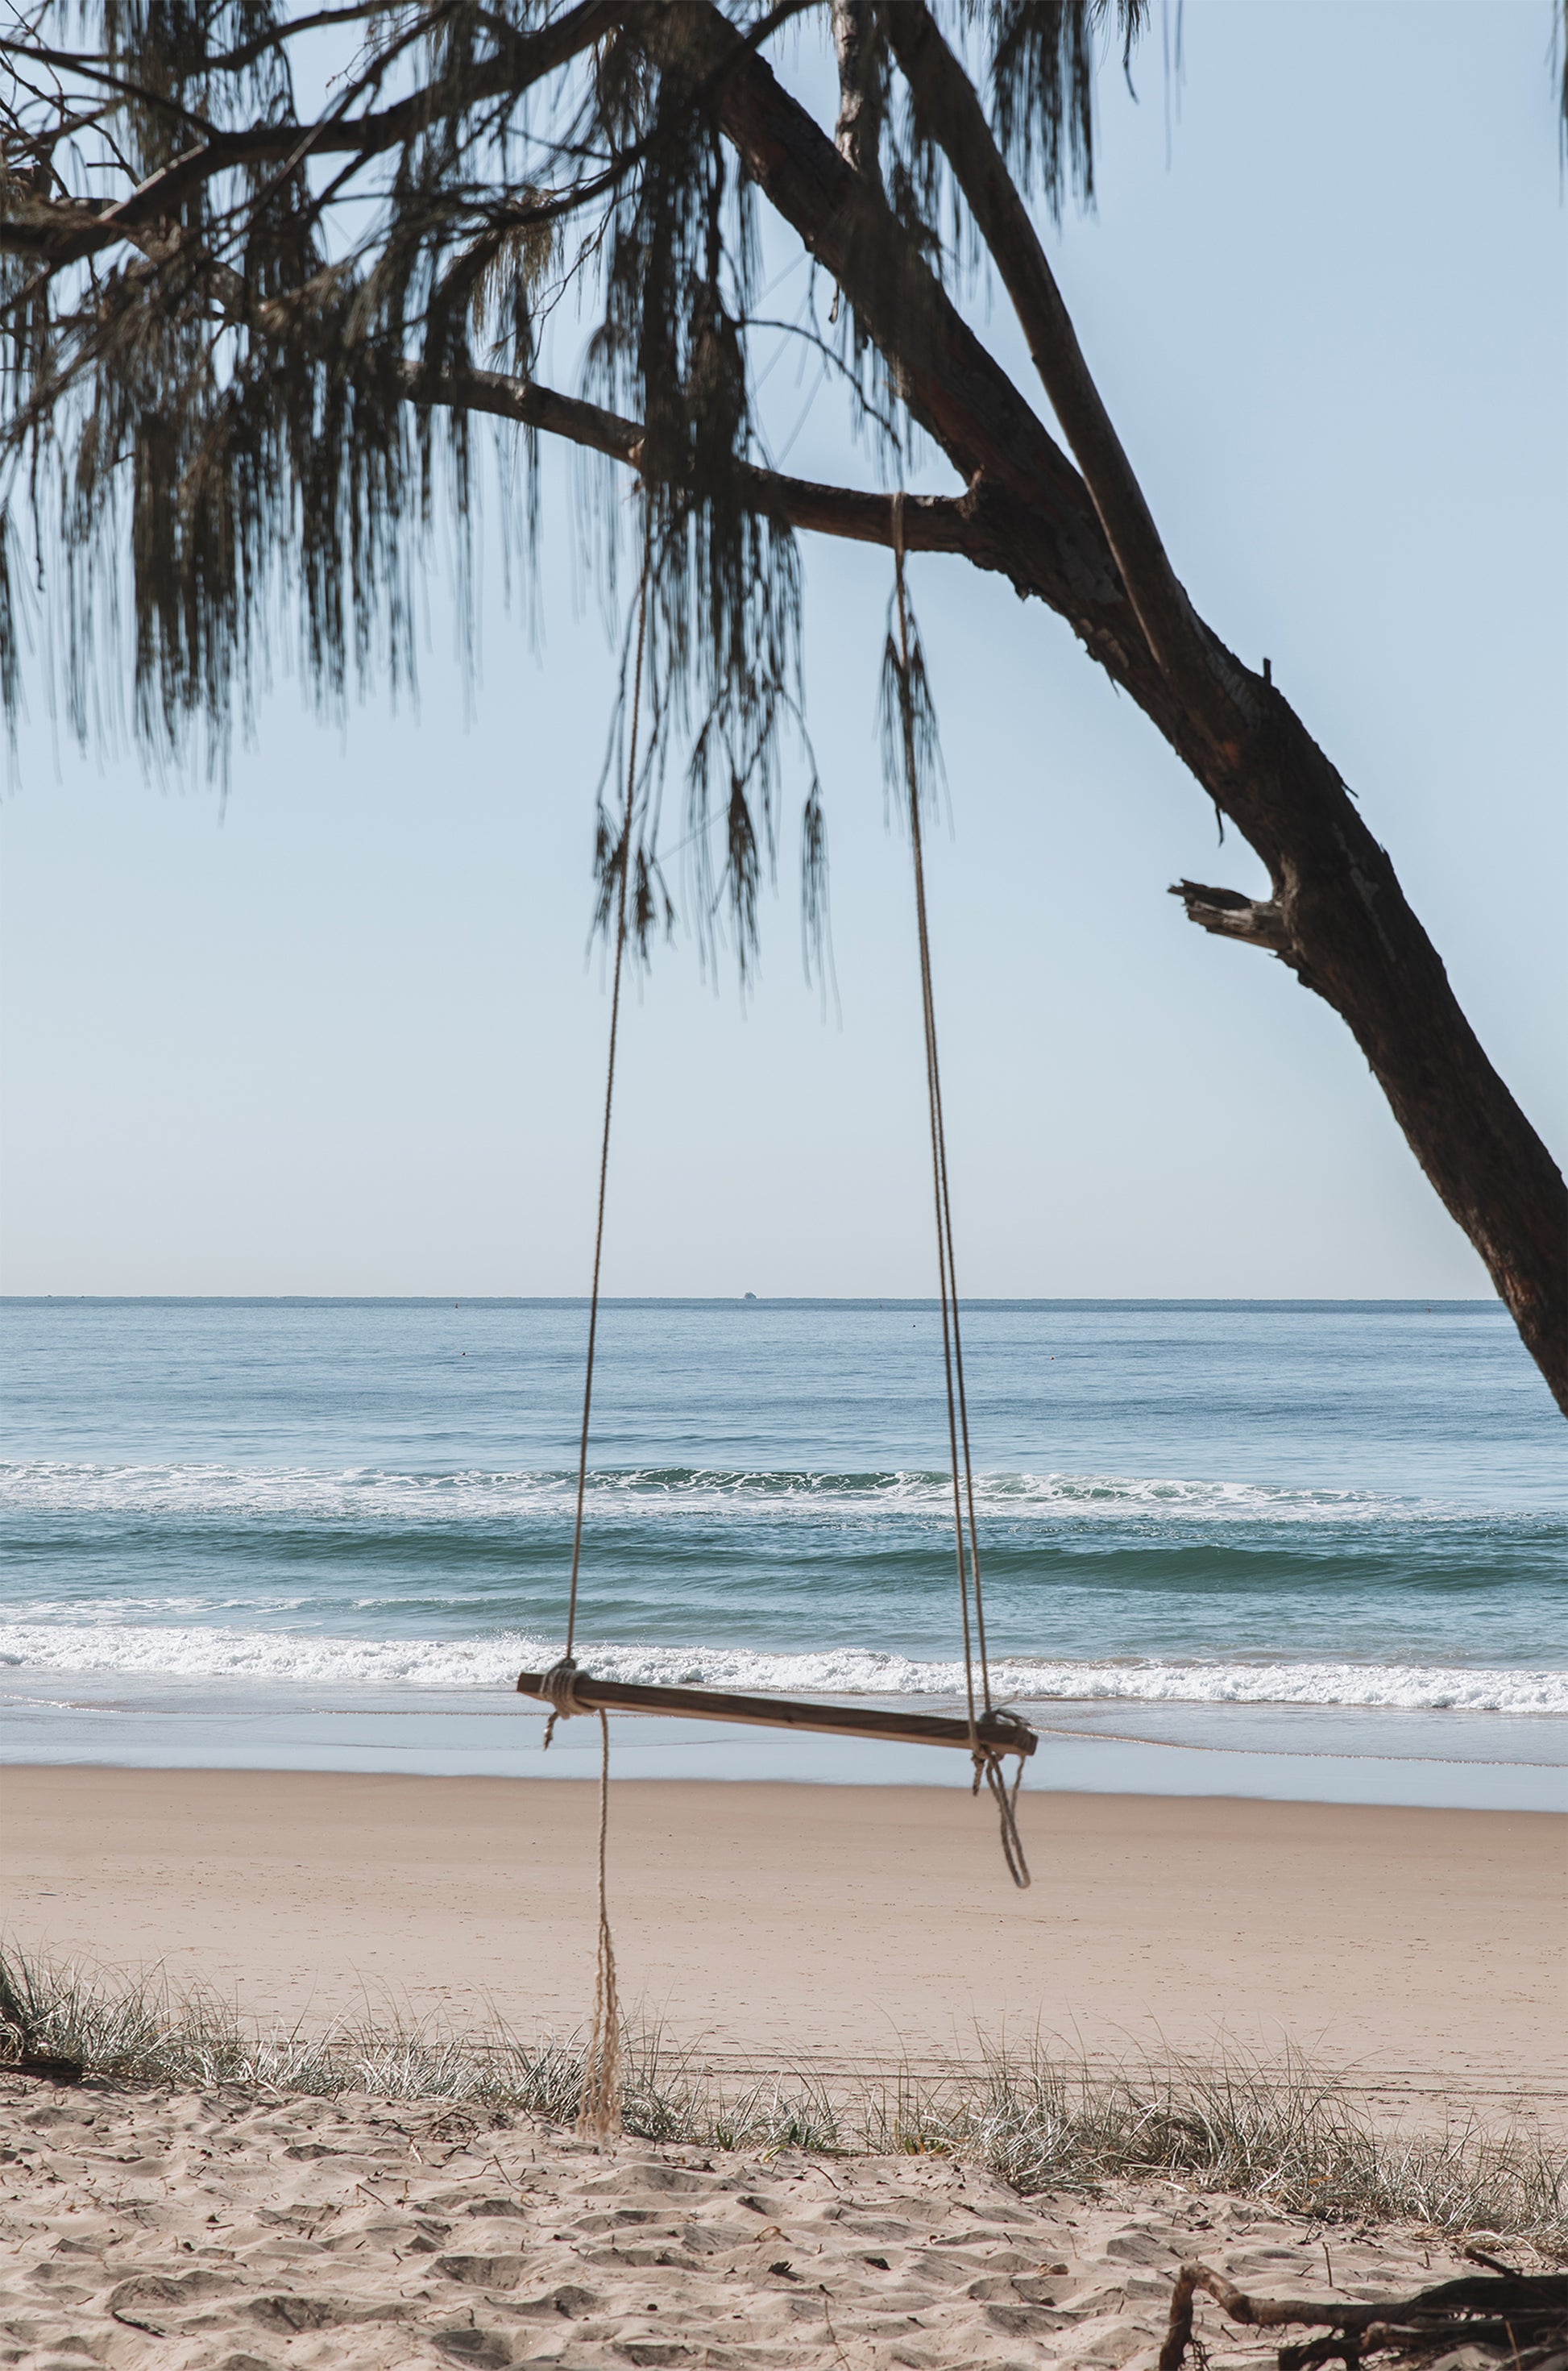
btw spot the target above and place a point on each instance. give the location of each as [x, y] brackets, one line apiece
[932, 522]
[1352, 935]
[962, 526]
[948, 108]
[1256, 920]
[524, 62]
[956, 390]
[857, 129]
[1500, 2309]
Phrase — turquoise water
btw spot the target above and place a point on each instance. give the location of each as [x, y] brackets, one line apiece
[1231, 1543]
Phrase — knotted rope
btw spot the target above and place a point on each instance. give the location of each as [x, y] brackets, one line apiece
[986, 1755]
[598, 2116]
[988, 1760]
[559, 1684]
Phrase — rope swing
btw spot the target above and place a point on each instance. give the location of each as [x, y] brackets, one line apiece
[986, 1756]
[989, 1733]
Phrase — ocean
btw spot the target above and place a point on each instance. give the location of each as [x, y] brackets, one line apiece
[1310, 1549]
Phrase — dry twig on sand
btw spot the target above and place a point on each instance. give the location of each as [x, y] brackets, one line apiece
[1524, 2316]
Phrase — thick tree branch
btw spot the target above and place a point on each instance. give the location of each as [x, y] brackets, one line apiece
[950, 112]
[956, 390]
[1352, 936]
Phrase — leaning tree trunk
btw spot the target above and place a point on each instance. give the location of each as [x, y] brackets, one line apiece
[1086, 544]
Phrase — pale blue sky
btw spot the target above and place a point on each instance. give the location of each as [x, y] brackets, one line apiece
[340, 1035]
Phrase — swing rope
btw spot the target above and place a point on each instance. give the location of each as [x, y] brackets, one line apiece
[598, 2115]
[987, 1758]
[625, 869]
[599, 2112]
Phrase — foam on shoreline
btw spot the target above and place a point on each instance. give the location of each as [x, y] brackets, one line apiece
[201, 1651]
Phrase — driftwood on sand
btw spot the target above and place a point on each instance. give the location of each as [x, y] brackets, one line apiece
[1524, 2315]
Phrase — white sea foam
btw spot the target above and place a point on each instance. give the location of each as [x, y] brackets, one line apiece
[315, 1661]
[373, 1495]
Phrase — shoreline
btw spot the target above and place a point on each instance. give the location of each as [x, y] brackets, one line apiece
[1453, 1759]
[1422, 1948]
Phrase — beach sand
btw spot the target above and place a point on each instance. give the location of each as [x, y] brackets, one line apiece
[227, 2231]
[838, 1926]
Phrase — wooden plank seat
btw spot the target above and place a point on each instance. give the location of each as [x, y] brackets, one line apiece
[998, 1732]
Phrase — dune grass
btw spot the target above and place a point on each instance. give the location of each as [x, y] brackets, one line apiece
[1277, 2133]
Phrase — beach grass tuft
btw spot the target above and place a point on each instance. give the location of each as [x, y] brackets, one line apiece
[1277, 2131]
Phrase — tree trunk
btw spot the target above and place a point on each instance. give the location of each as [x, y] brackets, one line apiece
[1337, 916]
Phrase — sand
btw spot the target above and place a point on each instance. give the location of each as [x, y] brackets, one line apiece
[221, 2231]
[232, 2230]
[832, 1925]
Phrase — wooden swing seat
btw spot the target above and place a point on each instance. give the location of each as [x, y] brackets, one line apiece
[996, 1732]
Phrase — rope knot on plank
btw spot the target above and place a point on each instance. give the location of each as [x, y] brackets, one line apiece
[560, 1685]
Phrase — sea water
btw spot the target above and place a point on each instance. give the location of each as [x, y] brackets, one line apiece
[1306, 1549]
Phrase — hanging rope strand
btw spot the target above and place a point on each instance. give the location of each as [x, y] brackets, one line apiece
[598, 2115]
[933, 1101]
[609, 1081]
[986, 1759]
[947, 1265]
[962, 1399]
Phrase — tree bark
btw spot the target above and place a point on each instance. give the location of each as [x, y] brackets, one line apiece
[1344, 925]
[949, 110]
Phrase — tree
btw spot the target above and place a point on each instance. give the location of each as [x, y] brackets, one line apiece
[248, 337]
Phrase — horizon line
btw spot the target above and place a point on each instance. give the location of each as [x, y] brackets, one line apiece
[793, 1300]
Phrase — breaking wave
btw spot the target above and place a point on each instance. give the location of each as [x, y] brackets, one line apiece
[315, 1660]
[374, 1494]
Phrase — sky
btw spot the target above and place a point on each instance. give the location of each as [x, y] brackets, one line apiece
[341, 1029]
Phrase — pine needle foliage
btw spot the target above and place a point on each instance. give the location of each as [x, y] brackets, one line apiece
[261, 267]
